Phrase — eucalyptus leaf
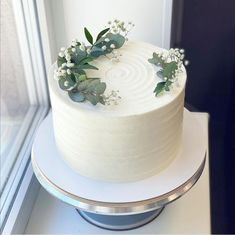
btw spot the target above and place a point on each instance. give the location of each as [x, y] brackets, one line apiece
[83, 85]
[87, 66]
[167, 85]
[92, 85]
[72, 77]
[69, 84]
[117, 39]
[96, 51]
[101, 99]
[100, 88]
[61, 84]
[86, 60]
[156, 59]
[169, 69]
[76, 96]
[84, 66]
[103, 32]
[88, 36]
[159, 88]
[78, 55]
[152, 61]
[77, 70]
[92, 98]
[77, 75]
[60, 61]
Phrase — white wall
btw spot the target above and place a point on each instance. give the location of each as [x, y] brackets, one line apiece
[151, 17]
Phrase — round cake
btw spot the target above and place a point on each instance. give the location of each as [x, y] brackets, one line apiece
[134, 138]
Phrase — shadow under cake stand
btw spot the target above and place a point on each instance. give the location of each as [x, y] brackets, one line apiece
[120, 206]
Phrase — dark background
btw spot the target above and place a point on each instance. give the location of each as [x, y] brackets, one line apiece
[206, 30]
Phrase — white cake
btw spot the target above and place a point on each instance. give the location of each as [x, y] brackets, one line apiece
[130, 141]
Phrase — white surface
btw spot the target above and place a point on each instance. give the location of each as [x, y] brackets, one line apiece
[149, 16]
[67, 18]
[188, 215]
[178, 172]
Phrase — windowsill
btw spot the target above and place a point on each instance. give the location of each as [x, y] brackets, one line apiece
[22, 186]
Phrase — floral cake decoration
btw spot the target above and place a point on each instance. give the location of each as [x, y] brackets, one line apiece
[73, 61]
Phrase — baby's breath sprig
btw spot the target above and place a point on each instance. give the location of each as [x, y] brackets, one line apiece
[120, 27]
[171, 64]
[112, 98]
[73, 62]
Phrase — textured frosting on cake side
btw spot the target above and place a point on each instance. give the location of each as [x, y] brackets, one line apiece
[126, 142]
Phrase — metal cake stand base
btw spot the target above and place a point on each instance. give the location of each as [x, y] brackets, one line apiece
[127, 205]
[120, 222]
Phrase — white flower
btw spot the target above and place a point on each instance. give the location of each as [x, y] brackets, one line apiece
[63, 71]
[70, 65]
[66, 52]
[103, 48]
[63, 65]
[68, 71]
[88, 50]
[74, 44]
[82, 47]
[106, 39]
[58, 74]
[73, 49]
[61, 54]
[186, 62]
[66, 83]
[62, 48]
[181, 50]
[68, 57]
[112, 46]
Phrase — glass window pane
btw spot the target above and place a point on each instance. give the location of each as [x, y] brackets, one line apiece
[14, 96]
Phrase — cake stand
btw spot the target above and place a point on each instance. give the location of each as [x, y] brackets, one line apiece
[120, 206]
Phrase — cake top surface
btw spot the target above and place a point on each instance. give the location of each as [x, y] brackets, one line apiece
[133, 77]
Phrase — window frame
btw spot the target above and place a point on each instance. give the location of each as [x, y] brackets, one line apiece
[21, 184]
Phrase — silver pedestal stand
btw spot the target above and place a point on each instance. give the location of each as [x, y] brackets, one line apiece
[104, 204]
[120, 222]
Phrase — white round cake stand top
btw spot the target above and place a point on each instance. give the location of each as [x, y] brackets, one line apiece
[120, 198]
